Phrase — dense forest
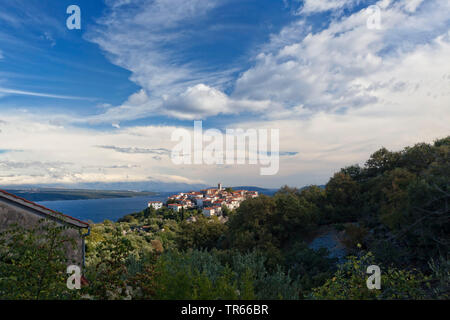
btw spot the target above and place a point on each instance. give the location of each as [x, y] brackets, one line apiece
[392, 212]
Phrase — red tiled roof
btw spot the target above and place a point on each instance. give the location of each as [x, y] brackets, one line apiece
[44, 210]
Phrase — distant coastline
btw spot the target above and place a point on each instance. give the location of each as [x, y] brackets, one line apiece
[98, 205]
[48, 194]
[98, 210]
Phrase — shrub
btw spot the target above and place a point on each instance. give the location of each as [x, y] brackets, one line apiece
[349, 282]
[33, 262]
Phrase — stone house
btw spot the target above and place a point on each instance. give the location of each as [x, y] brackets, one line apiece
[16, 210]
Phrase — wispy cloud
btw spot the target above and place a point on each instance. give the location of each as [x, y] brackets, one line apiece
[299, 71]
[315, 6]
[43, 95]
[337, 92]
[25, 13]
[68, 155]
[346, 65]
[173, 84]
[159, 151]
[126, 166]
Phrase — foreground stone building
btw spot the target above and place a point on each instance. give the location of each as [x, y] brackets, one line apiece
[16, 210]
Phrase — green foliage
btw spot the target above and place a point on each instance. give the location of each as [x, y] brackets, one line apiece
[226, 212]
[354, 236]
[381, 161]
[194, 275]
[442, 142]
[311, 267]
[396, 206]
[349, 282]
[343, 198]
[268, 284]
[402, 198]
[142, 275]
[440, 278]
[202, 275]
[294, 215]
[250, 227]
[33, 262]
[202, 234]
[109, 273]
[270, 223]
[395, 203]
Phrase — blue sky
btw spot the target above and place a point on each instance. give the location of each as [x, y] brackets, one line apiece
[95, 105]
[40, 55]
[72, 74]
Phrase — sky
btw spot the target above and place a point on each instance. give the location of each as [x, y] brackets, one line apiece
[98, 106]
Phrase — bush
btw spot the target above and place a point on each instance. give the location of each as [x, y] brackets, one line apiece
[354, 235]
[33, 262]
[349, 282]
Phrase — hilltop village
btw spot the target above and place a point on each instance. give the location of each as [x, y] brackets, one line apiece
[210, 201]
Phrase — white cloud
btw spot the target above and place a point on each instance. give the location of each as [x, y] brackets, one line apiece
[158, 30]
[324, 70]
[314, 6]
[348, 91]
[40, 94]
[202, 101]
[297, 71]
[412, 5]
[336, 95]
[197, 100]
[71, 155]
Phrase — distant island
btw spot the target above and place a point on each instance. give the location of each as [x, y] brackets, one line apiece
[55, 194]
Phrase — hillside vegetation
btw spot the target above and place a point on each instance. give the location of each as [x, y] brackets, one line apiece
[392, 212]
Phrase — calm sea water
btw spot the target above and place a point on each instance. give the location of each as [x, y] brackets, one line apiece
[98, 210]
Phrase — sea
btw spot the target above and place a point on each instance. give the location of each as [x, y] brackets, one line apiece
[99, 210]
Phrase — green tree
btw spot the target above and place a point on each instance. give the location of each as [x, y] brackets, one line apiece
[201, 234]
[294, 216]
[33, 262]
[108, 276]
[312, 268]
[381, 161]
[344, 198]
[252, 227]
[349, 282]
